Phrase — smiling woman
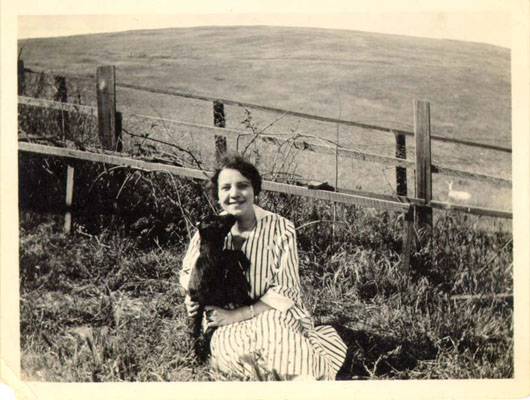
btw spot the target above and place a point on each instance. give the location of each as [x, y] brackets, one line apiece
[275, 336]
[235, 192]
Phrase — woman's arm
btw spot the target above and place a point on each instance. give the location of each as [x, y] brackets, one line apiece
[189, 260]
[219, 316]
[188, 263]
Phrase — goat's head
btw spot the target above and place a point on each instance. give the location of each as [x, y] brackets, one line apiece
[216, 227]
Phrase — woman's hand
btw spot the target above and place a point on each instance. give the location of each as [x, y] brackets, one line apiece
[217, 316]
[192, 307]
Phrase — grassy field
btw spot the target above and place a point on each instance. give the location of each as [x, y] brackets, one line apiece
[103, 304]
[360, 76]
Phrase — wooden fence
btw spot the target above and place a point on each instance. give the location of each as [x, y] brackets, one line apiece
[417, 209]
[400, 161]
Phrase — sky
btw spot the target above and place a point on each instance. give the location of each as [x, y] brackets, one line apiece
[460, 20]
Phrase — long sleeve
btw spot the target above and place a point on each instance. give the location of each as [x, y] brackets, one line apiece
[189, 260]
[284, 291]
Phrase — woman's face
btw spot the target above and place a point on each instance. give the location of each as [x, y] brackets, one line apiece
[235, 192]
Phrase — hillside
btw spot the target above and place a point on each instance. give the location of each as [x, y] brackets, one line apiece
[361, 76]
[376, 75]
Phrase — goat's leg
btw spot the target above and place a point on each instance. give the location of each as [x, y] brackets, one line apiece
[205, 343]
[195, 328]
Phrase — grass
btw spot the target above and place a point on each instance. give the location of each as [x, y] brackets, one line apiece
[105, 305]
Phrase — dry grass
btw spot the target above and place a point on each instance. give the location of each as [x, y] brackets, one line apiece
[105, 305]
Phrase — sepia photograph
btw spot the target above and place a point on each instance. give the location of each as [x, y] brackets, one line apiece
[243, 196]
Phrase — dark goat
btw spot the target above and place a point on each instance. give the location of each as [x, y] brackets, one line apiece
[218, 278]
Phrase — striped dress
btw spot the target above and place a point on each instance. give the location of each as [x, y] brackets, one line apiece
[281, 343]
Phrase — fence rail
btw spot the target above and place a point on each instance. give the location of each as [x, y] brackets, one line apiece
[435, 204]
[118, 159]
[297, 143]
[59, 106]
[288, 112]
[311, 116]
[366, 199]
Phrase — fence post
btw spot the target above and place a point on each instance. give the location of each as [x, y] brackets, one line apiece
[422, 133]
[69, 197]
[62, 96]
[401, 172]
[106, 99]
[119, 124]
[220, 122]
[60, 87]
[21, 78]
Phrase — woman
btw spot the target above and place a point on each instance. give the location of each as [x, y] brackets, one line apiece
[275, 336]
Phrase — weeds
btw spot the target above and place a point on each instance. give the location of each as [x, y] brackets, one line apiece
[106, 306]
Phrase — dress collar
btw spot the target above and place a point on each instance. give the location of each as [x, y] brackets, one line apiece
[260, 212]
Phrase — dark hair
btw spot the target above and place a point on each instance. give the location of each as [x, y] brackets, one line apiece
[239, 163]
